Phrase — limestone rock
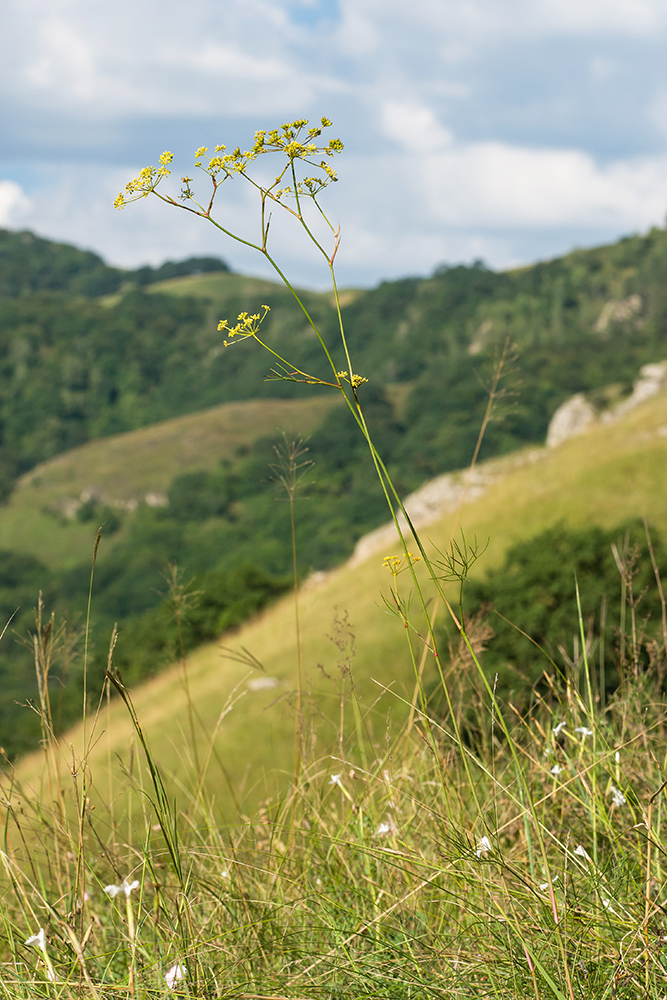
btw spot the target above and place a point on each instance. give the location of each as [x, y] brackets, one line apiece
[618, 311]
[574, 416]
[424, 506]
[652, 378]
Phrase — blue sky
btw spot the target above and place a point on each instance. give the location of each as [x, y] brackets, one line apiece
[507, 131]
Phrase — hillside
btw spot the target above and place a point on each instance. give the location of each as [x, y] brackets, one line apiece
[614, 472]
[90, 372]
[125, 470]
[76, 367]
[582, 323]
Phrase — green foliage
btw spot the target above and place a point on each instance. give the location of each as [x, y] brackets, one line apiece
[507, 868]
[72, 368]
[179, 269]
[61, 384]
[30, 264]
[92, 512]
[22, 578]
[152, 357]
[213, 602]
[534, 592]
[197, 496]
[438, 864]
[554, 317]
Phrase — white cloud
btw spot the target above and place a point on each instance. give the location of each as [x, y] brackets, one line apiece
[13, 203]
[475, 20]
[472, 127]
[399, 214]
[360, 34]
[62, 62]
[636, 16]
[227, 62]
[153, 58]
[414, 126]
[495, 184]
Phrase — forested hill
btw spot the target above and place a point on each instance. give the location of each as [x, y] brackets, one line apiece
[30, 264]
[87, 351]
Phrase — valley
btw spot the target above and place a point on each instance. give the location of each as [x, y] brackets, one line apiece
[120, 407]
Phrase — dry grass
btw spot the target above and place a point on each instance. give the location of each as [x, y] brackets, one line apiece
[613, 473]
[130, 466]
[396, 866]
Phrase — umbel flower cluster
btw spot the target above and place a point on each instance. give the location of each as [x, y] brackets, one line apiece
[246, 326]
[295, 140]
[302, 148]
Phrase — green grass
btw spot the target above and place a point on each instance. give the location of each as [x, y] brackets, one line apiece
[128, 467]
[526, 860]
[605, 477]
[216, 285]
[221, 286]
[403, 860]
[285, 814]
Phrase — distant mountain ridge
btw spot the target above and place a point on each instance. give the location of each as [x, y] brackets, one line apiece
[30, 263]
[75, 366]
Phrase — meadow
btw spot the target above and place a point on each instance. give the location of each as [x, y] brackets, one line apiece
[342, 801]
[505, 851]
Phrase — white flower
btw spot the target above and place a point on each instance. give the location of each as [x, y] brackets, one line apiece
[607, 905]
[335, 780]
[387, 826]
[483, 847]
[176, 972]
[38, 940]
[618, 798]
[548, 751]
[545, 885]
[113, 890]
[557, 729]
[584, 730]
[582, 852]
[617, 757]
[556, 769]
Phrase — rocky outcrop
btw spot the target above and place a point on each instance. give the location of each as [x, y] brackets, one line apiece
[577, 414]
[572, 417]
[424, 506]
[478, 342]
[652, 378]
[618, 311]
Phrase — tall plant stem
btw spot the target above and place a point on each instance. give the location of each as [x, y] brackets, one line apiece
[298, 724]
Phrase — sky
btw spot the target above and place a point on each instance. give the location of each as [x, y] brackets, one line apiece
[474, 129]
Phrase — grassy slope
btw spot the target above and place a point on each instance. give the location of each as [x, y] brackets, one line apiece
[611, 473]
[218, 285]
[129, 466]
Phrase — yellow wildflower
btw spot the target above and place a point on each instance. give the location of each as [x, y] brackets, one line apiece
[354, 380]
[396, 564]
[246, 325]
